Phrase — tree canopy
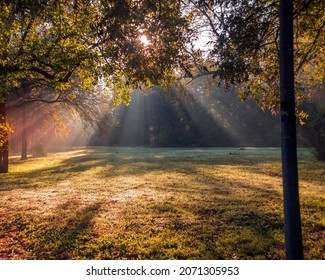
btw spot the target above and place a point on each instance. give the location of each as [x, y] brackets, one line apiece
[57, 46]
[59, 43]
[244, 46]
[244, 51]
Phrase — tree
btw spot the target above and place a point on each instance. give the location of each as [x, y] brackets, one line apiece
[244, 48]
[244, 45]
[39, 46]
[58, 108]
[4, 147]
[58, 44]
[246, 52]
[292, 220]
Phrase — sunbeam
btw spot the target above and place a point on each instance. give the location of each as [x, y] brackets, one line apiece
[195, 118]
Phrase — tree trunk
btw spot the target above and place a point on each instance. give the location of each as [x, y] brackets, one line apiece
[4, 148]
[4, 158]
[23, 135]
[292, 220]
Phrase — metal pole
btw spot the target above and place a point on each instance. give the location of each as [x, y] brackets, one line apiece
[292, 221]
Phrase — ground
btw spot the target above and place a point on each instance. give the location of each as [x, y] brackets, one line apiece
[156, 203]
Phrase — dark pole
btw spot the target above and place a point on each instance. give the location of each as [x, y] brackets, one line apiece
[292, 221]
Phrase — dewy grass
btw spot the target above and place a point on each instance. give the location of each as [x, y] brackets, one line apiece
[155, 203]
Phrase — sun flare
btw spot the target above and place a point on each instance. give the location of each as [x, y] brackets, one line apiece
[144, 40]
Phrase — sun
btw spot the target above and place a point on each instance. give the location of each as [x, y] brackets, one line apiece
[144, 40]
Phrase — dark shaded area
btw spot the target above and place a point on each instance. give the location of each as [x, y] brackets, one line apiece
[177, 118]
[48, 241]
[313, 131]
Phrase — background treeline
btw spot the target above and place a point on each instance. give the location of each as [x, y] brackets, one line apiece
[201, 114]
[178, 117]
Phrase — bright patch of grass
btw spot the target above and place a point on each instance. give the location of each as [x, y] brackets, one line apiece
[151, 203]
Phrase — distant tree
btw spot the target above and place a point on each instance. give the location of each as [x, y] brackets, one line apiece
[56, 107]
[175, 117]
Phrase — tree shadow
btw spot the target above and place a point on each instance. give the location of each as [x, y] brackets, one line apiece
[50, 240]
[129, 162]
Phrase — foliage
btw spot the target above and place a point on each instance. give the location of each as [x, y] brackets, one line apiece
[55, 50]
[131, 64]
[245, 46]
[61, 108]
[4, 130]
[43, 42]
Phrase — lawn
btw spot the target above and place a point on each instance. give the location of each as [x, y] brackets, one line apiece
[156, 203]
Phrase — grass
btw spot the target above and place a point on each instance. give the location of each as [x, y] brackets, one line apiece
[151, 203]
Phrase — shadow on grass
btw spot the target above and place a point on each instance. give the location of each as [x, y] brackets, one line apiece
[139, 161]
[223, 224]
[54, 240]
[97, 156]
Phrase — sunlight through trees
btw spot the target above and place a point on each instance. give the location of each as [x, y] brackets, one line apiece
[165, 73]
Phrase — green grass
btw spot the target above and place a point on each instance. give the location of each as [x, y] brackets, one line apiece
[152, 203]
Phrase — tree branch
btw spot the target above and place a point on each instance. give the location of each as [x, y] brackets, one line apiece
[310, 49]
[42, 72]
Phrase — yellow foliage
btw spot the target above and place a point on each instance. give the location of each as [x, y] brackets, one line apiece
[302, 116]
[4, 130]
